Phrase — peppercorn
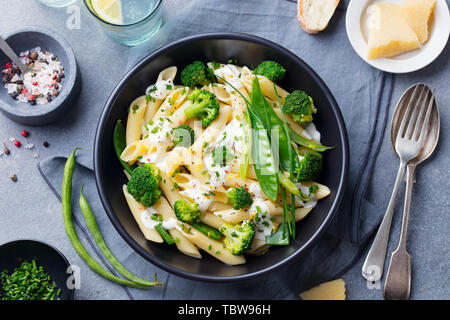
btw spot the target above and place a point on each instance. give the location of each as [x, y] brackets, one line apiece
[14, 177]
[5, 149]
[45, 144]
[17, 143]
[33, 55]
[25, 133]
[55, 92]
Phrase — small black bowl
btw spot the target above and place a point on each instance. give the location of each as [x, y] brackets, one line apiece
[250, 51]
[30, 38]
[12, 254]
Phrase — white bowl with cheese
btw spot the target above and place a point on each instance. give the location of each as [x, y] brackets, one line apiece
[388, 35]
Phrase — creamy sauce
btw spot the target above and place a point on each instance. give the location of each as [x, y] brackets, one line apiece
[146, 218]
[260, 214]
[149, 222]
[199, 193]
[231, 73]
[311, 132]
[160, 90]
[231, 137]
[170, 224]
[158, 135]
[305, 190]
[217, 173]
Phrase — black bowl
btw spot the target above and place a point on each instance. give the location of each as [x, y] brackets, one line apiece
[249, 50]
[12, 254]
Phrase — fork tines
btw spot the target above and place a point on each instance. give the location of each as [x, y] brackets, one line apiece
[415, 119]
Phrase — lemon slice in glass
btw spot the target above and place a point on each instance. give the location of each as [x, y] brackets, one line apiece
[108, 10]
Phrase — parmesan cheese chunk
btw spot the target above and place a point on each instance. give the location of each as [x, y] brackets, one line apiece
[332, 290]
[418, 14]
[390, 34]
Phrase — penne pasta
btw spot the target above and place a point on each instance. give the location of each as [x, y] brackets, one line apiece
[211, 246]
[203, 171]
[183, 244]
[138, 210]
[135, 119]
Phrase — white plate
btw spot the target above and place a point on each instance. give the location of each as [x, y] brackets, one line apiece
[357, 33]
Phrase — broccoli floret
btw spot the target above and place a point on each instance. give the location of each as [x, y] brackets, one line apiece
[271, 70]
[144, 184]
[183, 136]
[204, 106]
[239, 197]
[310, 166]
[221, 155]
[238, 238]
[186, 211]
[300, 106]
[197, 74]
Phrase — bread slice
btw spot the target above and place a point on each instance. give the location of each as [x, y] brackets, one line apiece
[314, 15]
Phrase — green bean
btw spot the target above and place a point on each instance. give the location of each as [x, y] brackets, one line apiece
[66, 200]
[120, 144]
[211, 232]
[164, 234]
[95, 231]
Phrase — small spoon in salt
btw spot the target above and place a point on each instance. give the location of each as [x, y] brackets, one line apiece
[12, 55]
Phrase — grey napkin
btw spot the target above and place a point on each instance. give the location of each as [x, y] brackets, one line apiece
[364, 96]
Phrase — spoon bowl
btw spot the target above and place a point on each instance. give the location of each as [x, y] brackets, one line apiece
[431, 136]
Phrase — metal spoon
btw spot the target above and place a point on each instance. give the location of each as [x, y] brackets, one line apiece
[398, 280]
[408, 143]
[13, 56]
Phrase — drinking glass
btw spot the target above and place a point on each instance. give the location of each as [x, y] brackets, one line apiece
[57, 3]
[141, 20]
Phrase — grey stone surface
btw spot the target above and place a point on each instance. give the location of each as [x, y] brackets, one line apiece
[28, 208]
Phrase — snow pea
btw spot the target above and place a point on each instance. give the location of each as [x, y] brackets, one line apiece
[263, 161]
[310, 144]
[247, 144]
[273, 124]
[120, 144]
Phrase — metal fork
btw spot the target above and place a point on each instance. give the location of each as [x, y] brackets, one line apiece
[408, 143]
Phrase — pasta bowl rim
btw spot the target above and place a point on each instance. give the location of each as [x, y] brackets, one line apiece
[343, 145]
